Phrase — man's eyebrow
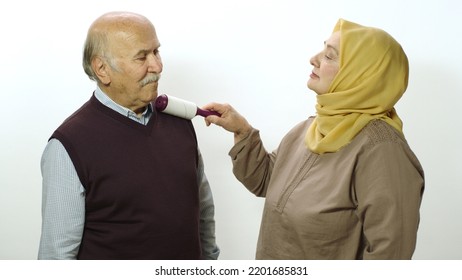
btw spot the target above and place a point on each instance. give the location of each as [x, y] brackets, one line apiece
[141, 52]
[144, 52]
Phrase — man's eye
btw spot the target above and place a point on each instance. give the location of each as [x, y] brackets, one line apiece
[142, 58]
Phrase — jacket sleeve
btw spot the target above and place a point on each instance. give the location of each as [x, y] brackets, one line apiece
[210, 250]
[389, 184]
[252, 164]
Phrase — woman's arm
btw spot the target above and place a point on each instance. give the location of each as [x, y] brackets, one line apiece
[252, 164]
[389, 184]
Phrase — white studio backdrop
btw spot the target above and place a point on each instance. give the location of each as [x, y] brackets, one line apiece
[251, 54]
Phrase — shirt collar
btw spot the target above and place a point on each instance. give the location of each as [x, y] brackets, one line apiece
[108, 102]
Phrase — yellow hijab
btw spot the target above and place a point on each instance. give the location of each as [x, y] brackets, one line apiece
[373, 76]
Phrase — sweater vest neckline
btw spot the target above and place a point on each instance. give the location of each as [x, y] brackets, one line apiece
[96, 104]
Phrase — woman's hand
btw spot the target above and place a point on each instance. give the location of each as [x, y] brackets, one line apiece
[230, 120]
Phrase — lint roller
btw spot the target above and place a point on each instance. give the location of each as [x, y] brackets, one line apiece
[181, 108]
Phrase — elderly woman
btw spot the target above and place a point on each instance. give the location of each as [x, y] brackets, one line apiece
[343, 184]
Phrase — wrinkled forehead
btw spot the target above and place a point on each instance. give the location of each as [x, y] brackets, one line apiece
[126, 33]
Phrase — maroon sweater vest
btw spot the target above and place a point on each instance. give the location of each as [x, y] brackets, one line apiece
[142, 194]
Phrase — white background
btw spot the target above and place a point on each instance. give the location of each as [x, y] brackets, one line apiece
[253, 54]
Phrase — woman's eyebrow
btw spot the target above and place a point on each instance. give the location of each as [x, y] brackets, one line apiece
[331, 47]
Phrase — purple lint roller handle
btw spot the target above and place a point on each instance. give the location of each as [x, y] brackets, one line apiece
[206, 113]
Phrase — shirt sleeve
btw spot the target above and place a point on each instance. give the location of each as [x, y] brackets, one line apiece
[210, 250]
[389, 184]
[63, 205]
[252, 164]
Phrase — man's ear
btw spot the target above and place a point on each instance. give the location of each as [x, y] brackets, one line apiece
[100, 68]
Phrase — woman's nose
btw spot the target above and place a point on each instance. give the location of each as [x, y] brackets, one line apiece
[315, 60]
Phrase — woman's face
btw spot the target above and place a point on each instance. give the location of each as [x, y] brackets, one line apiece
[326, 65]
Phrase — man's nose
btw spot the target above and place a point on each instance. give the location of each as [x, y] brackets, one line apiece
[155, 63]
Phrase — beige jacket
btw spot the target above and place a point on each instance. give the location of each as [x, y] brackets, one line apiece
[361, 202]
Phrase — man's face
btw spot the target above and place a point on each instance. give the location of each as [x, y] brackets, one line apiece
[137, 66]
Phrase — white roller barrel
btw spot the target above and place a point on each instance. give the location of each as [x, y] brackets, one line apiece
[180, 108]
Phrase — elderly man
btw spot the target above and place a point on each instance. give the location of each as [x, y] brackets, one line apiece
[120, 180]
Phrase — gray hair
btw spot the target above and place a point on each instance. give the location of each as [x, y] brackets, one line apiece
[96, 45]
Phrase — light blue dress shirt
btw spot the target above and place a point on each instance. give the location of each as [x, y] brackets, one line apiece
[63, 198]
